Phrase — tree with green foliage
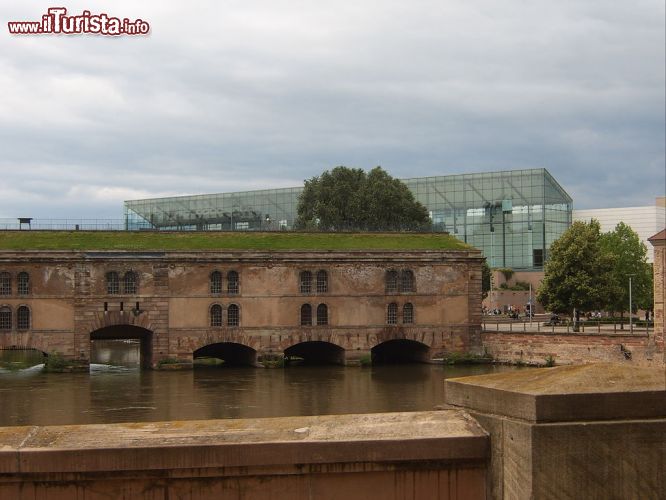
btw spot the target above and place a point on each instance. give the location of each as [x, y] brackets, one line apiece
[577, 273]
[486, 279]
[350, 199]
[629, 259]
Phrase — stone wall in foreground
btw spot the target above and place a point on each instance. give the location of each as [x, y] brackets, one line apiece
[407, 456]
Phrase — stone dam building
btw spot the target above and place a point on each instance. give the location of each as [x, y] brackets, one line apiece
[244, 307]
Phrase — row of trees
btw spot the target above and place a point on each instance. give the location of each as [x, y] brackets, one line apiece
[588, 270]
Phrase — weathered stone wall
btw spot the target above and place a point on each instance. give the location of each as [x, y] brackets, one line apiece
[659, 269]
[586, 431]
[69, 300]
[412, 456]
[574, 348]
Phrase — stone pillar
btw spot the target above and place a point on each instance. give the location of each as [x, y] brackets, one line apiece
[357, 357]
[587, 431]
[659, 243]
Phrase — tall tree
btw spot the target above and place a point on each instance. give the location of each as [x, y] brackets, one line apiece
[577, 273]
[486, 279]
[629, 259]
[349, 199]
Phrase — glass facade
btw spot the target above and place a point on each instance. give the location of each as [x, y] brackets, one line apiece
[512, 216]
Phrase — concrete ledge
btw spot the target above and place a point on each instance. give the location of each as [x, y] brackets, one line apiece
[590, 431]
[446, 435]
[601, 391]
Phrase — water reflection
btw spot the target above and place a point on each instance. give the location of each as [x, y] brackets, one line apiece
[126, 393]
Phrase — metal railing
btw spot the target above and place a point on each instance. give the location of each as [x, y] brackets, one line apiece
[64, 224]
[523, 325]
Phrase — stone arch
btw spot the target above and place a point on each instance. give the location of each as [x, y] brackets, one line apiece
[400, 350]
[232, 353]
[316, 353]
[126, 331]
[129, 317]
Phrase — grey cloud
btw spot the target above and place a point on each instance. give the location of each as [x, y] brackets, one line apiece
[245, 95]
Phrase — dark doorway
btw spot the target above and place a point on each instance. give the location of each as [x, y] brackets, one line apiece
[400, 351]
[231, 353]
[315, 353]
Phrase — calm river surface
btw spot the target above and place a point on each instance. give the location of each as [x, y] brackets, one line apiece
[116, 393]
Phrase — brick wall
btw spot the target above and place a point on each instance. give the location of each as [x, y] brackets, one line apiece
[574, 348]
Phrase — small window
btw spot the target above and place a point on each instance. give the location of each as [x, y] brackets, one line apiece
[23, 318]
[216, 282]
[322, 282]
[216, 315]
[537, 257]
[391, 281]
[408, 314]
[232, 283]
[23, 283]
[5, 284]
[233, 315]
[5, 318]
[392, 314]
[306, 315]
[406, 281]
[306, 281]
[112, 283]
[129, 282]
[322, 314]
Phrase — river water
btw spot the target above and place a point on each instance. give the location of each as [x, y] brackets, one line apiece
[120, 392]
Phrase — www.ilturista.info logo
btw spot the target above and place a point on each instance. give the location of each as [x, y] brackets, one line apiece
[56, 21]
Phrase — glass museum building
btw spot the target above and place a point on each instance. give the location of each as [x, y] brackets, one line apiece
[512, 216]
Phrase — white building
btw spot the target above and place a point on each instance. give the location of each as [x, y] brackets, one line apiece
[646, 221]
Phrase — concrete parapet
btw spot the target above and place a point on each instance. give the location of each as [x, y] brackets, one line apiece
[590, 431]
[417, 455]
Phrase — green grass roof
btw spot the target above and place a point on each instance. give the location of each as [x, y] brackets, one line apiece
[139, 240]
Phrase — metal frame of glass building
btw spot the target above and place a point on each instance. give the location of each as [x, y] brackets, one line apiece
[512, 216]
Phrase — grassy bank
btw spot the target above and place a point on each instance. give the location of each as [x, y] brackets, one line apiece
[214, 240]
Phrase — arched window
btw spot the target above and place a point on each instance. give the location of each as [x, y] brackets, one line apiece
[406, 281]
[408, 313]
[306, 315]
[216, 282]
[129, 282]
[322, 314]
[233, 315]
[216, 315]
[391, 281]
[322, 282]
[23, 283]
[392, 314]
[5, 284]
[232, 283]
[5, 318]
[23, 318]
[112, 283]
[305, 279]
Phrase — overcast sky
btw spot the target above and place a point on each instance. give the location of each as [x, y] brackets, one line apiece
[251, 94]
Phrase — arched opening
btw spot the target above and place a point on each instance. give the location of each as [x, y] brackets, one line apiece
[315, 353]
[400, 351]
[125, 345]
[230, 353]
[112, 283]
[20, 358]
[306, 315]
